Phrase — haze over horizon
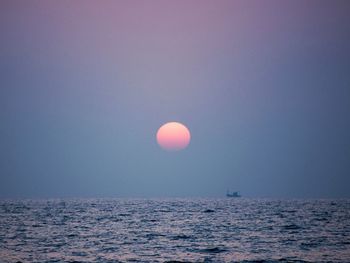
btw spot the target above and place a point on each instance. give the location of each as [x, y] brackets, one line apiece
[263, 86]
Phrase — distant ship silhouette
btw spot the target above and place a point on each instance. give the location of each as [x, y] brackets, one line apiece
[232, 194]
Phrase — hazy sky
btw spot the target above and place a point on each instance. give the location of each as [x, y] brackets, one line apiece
[264, 87]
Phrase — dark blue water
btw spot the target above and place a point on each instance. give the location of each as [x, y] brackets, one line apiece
[186, 230]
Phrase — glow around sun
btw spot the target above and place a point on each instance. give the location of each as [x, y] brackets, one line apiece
[173, 136]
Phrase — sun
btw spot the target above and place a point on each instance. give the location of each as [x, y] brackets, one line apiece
[173, 136]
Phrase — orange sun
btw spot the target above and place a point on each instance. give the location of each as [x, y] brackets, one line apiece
[173, 136]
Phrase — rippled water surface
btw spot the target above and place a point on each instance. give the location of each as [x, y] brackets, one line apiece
[183, 230]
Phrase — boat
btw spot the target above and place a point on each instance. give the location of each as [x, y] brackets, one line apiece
[232, 194]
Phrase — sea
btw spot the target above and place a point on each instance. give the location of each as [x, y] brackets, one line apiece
[175, 230]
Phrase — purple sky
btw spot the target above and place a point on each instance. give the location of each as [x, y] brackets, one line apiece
[264, 87]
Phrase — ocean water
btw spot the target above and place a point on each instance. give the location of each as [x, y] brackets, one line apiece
[175, 230]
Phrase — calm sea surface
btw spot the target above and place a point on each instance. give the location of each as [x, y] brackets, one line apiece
[182, 230]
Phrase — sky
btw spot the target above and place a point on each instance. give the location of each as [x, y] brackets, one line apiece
[263, 86]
